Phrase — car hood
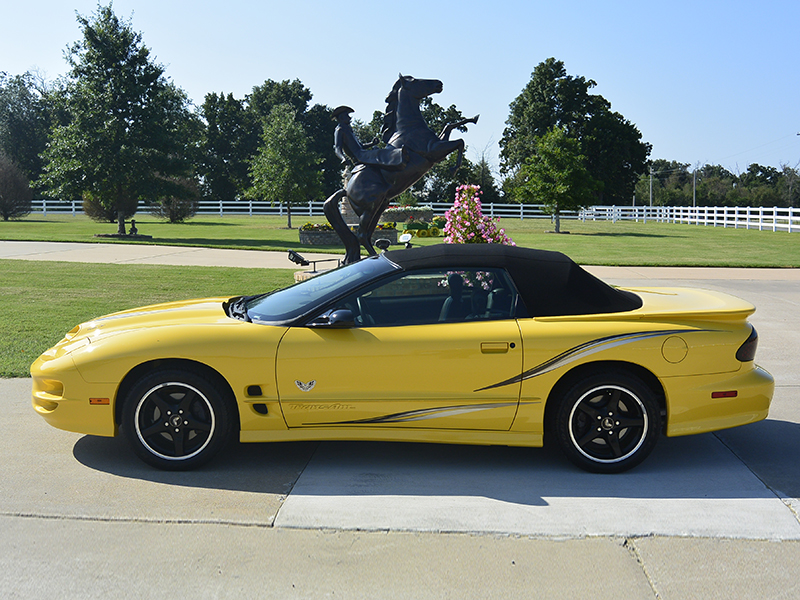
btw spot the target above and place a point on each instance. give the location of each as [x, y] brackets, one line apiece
[207, 310]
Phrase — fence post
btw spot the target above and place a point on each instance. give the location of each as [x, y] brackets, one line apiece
[250, 207]
[774, 218]
[220, 207]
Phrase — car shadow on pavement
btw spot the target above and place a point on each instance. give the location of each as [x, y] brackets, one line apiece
[771, 450]
[704, 466]
[257, 468]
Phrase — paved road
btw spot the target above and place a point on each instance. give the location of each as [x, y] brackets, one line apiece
[707, 516]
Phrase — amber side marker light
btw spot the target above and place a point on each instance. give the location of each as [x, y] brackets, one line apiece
[729, 394]
[99, 401]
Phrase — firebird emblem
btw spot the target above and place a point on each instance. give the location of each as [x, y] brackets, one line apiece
[305, 387]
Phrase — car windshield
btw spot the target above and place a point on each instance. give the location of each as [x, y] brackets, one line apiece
[292, 302]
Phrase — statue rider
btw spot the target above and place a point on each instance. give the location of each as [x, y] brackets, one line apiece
[349, 149]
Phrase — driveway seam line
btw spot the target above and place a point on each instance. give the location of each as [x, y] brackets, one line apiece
[784, 498]
[629, 543]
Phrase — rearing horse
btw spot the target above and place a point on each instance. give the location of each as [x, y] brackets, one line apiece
[370, 188]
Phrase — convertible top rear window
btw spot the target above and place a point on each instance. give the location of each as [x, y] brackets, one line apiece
[295, 301]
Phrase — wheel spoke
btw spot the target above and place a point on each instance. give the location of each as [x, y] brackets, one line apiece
[155, 429]
[588, 437]
[637, 422]
[586, 408]
[178, 439]
[163, 404]
[613, 442]
[186, 402]
[195, 425]
[613, 403]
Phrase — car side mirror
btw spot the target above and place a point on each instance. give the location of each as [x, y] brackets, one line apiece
[341, 318]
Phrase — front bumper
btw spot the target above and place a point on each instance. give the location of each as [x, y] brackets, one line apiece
[66, 401]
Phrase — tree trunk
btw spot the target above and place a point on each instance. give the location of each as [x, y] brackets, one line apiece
[558, 221]
[120, 223]
[289, 214]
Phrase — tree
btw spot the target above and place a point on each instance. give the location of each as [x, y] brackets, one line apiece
[482, 176]
[317, 121]
[15, 193]
[285, 169]
[125, 133]
[556, 175]
[230, 139]
[178, 208]
[24, 122]
[615, 154]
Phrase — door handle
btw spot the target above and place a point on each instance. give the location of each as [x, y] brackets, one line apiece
[494, 347]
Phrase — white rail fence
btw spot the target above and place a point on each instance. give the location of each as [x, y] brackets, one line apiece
[737, 217]
[761, 218]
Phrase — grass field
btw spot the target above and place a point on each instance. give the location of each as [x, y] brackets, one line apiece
[40, 302]
[597, 243]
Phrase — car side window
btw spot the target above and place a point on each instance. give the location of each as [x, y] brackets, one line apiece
[435, 296]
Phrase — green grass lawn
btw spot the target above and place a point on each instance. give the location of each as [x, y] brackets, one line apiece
[597, 243]
[41, 301]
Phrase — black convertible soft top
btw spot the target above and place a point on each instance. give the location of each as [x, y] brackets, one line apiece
[550, 283]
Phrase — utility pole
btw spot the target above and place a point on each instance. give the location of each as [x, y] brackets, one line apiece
[651, 186]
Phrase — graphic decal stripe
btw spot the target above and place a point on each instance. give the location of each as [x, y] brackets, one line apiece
[584, 350]
[427, 413]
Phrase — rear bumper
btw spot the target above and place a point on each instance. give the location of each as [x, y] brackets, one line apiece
[691, 408]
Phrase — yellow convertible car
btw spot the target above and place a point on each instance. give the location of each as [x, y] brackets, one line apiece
[464, 344]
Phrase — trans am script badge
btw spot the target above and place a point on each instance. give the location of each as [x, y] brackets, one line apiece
[305, 387]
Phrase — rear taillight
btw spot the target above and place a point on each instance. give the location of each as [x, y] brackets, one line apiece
[747, 351]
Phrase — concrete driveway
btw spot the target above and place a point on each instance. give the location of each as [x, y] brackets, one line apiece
[708, 516]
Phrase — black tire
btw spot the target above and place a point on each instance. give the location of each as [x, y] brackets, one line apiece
[607, 422]
[176, 420]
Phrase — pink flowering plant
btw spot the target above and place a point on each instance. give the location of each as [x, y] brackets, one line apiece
[466, 223]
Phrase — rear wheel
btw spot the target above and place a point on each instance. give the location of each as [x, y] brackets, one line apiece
[607, 422]
[176, 419]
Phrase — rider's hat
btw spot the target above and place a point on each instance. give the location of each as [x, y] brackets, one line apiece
[341, 109]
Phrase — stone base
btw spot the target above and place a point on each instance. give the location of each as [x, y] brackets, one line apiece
[331, 238]
[348, 214]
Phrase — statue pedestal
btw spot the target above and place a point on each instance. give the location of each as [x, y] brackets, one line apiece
[348, 214]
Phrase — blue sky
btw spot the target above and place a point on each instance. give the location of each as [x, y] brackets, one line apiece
[705, 81]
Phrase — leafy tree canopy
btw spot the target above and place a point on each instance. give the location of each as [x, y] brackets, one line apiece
[285, 169]
[126, 129]
[556, 175]
[615, 154]
[24, 122]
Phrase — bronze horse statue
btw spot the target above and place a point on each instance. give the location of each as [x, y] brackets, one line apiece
[371, 187]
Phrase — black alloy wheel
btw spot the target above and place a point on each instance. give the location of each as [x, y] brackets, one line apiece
[176, 420]
[608, 422]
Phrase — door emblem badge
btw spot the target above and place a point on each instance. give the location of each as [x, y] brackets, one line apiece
[305, 387]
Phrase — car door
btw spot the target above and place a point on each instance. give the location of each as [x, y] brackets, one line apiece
[407, 361]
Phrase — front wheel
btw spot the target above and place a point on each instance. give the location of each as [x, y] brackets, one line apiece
[607, 422]
[176, 420]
